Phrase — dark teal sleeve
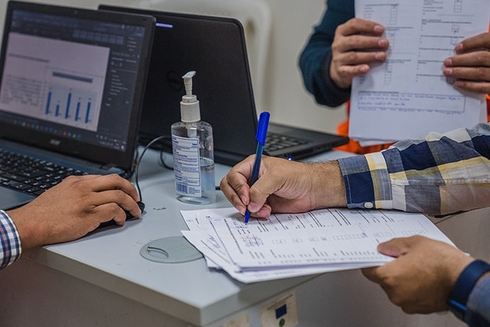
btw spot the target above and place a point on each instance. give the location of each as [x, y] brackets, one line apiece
[316, 56]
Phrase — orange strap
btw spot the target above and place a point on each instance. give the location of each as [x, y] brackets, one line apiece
[354, 146]
[488, 108]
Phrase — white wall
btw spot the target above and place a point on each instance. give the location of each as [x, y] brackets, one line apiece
[284, 94]
[290, 103]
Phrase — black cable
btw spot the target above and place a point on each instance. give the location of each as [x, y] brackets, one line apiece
[141, 157]
[162, 162]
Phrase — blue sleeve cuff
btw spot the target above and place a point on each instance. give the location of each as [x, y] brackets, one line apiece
[478, 313]
[465, 283]
[367, 182]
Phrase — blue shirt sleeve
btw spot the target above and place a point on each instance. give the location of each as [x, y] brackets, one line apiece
[314, 60]
[478, 314]
[10, 245]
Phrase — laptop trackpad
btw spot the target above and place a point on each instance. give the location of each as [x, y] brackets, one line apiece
[10, 199]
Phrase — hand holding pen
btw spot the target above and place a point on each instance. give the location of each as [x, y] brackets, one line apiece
[260, 136]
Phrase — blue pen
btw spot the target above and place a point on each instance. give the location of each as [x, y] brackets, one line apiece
[260, 136]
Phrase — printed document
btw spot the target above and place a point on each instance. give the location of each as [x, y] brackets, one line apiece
[407, 96]
[287, 245]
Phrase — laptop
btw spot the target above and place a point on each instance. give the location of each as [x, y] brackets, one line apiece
[215, 48]
[71, 91]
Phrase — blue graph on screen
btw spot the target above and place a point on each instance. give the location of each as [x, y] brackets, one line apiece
[70, 106]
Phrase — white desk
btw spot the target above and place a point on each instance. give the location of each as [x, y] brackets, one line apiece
[101, 280]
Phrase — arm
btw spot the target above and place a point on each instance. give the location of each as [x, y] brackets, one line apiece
[87, 202]
[10, 245]
[340, 48]
[315, 58]
[440, 175]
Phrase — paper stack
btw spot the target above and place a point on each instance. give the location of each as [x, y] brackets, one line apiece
[288, 245]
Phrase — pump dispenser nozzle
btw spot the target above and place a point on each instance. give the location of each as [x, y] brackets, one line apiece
[189, 106]
[188, 97]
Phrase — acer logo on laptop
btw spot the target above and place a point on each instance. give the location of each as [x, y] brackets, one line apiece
[55, 142]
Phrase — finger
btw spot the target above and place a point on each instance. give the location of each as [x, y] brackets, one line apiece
[346, 63]
[235, 184]
[109, 182]
[395, 247]
[119, 198]
[260, 191]
[470, 74]
[359, 42]
[232, 195]
[359, 57]
[372, 274]
[265, 211]
[258, 211]
[357, 25]
[349, 72]
[110, 211]
[266, 186]
[476, 87]
[476, 42]
[473, 59]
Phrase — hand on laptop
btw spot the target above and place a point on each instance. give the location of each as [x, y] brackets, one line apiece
[74, 208]
[284, 186]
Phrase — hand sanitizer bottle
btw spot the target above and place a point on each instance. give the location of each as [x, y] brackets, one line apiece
[193, 151]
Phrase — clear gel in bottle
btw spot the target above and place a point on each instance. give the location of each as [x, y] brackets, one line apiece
[193, 151]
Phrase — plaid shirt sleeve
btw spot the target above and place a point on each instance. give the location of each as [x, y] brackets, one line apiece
[10, 245]
[443, 174]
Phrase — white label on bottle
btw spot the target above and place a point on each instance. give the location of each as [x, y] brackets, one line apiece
[186, 166]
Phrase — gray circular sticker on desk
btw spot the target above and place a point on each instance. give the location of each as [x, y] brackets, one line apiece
[173, 249]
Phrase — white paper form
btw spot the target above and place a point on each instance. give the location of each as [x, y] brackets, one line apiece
[202, 235]
[407, 96]
[317, 237]
[212, 253]
[290, 245]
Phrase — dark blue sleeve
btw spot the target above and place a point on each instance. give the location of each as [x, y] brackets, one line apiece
[316, 56]
[478, 304]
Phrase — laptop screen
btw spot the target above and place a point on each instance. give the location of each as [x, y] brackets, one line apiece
[73, 82]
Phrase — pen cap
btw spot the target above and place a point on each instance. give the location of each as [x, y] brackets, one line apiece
[262, 129]
[189, 106]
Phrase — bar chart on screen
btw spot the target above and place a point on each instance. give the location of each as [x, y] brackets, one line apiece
[75, 107]
[65, 81]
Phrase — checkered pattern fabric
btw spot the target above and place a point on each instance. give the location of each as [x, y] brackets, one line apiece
[10, 246]
[443, 174]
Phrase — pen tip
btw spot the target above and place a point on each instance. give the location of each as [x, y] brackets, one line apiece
[247, 216]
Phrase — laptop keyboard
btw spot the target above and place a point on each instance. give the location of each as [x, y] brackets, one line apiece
[274, 142]
[31, 175]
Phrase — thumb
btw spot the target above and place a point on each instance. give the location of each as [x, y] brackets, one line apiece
[395, 247]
